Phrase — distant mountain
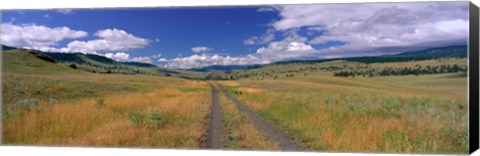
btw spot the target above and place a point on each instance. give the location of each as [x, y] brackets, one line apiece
[79, 58]
[4, 47]
[33, 61]
[432, 53]
[139, 64]
[101, 64]
[221, 68]
[452, 51]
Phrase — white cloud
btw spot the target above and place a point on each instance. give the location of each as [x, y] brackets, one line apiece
[47, 16]
[197, 61]
[65, 11]
[371, 28]
[125, 57]
[267, 37]
[34, 36]
[120, 56]
[200, 49]
[157, 40]
[162, 60]
[143, 59]
[110, 40]
[282, 50]
[268, 9]
[156, 56]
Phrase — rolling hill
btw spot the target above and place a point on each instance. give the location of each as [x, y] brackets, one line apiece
[14, 60]
[99, 64]
[7, 47]
[222, 68]
[22, 61]
[450, 51]
[36, 62]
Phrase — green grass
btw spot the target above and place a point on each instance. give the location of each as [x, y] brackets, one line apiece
[191, 89]
[22, 62]
[18, 87]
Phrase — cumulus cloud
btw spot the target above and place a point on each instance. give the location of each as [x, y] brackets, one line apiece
[156, 56]
[65, 11]
[34, 36]
[110, 40]
[39, 37]
[203, 60]
[125, 57]
[120, 56]
[267, 37]
[268, 9]
[47, 16]
[363, 29]
[162, 60]
[374, 27]
[282, 50]
[200, 49]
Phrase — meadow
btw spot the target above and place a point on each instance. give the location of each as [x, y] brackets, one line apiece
[47, 103]
[408, 114]
[103, 111]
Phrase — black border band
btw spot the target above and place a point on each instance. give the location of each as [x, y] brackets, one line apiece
[473, 78]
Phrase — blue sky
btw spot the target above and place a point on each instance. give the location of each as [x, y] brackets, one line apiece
[193, 37]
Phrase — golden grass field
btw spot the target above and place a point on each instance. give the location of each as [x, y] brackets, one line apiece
[408, 114]
[413, 114]
[81, 123]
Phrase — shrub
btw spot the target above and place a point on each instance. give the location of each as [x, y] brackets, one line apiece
[155, 119]
[73, 66]
[101, 103]
[88, 90]
[151, 119]
[26, 103]
[136, 118]
[232, 137]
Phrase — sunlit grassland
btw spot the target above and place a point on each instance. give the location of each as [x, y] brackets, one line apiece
[97, 110]
[319, 69]
[426, 114]
[239, 132]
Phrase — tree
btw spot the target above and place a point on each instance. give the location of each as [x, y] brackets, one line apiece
[73, 66]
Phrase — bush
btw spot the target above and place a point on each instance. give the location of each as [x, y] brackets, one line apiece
[151, 119]
[136, 118]
[232, 137]
[26, 103]
[73, 66]
[101, 103]
[155, 119]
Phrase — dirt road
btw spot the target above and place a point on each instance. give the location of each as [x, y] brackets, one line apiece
[215, 129]
[269, 129]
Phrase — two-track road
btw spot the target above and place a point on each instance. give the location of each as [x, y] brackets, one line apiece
[214, 136]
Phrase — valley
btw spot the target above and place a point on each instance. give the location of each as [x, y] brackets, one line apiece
[414, 102]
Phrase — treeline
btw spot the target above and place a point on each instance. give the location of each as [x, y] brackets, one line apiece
[390, 71]
[108, 69]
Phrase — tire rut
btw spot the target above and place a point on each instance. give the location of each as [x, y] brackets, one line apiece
[269, 129]
[215, 129]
